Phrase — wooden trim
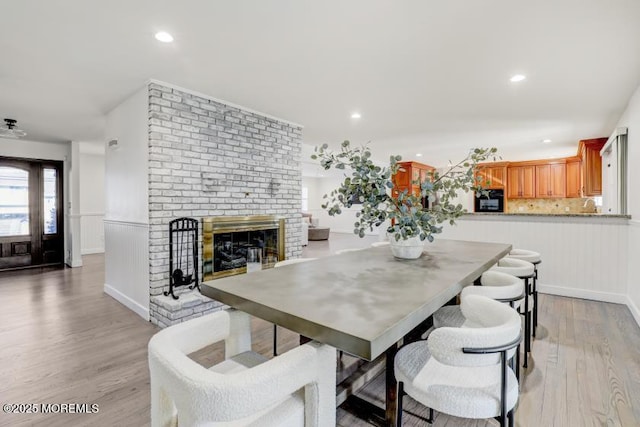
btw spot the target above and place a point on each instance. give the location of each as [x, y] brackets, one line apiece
[591, 142]
[539, 162]
[494, 164]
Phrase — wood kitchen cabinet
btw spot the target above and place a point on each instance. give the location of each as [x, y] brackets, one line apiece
[408, 174]
[589, 151]
[551, 180]
[492, 175]
[574, 177]
[521, 182]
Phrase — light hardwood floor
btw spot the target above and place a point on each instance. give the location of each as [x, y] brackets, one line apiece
[62, 340]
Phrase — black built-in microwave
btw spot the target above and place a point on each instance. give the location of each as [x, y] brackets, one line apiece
[493, 203]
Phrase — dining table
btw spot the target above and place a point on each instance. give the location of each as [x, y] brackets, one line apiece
[361, 302]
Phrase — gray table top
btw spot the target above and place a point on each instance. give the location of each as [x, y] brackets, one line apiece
[361, 302]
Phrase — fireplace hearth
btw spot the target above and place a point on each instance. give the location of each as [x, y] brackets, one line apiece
[227, 242]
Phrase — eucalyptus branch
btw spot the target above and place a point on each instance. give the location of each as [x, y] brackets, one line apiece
[371, 185]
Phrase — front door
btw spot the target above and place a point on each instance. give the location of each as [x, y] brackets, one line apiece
[31, 227]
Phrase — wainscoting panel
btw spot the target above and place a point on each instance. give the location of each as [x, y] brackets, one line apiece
[633, 289]
[580, 257]
[127, 264]
[92, 232]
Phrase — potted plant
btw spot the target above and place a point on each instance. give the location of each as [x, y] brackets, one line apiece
[411, 223]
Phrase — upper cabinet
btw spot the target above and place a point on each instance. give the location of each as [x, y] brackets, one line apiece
[574, 180]
[492, 175]
[551, 180]
[521, 182]
[589, 151]
[408, 174]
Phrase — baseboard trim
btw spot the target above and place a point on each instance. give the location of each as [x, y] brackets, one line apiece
[126, 301]
[91, 251]
[633, 308]
[584, 294]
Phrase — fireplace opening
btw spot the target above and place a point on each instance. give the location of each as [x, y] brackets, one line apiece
[236, 245]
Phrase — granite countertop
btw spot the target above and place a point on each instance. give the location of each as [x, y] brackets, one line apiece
[579, 215]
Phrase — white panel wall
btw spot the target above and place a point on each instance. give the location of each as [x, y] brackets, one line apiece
[46, 151]
[634, 269]
[582, 257]
[127, 248]
[127, 204]
[126, 168]
[92, 202]
[631, 120]
[92, 233]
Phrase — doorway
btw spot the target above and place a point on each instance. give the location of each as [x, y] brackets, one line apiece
[31, 215]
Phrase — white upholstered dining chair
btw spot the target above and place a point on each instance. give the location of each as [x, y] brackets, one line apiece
[464, 371]
[294, 389]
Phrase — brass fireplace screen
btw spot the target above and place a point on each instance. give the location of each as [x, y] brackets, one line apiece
[226, 242]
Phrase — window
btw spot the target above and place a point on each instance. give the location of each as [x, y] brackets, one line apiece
[14, 201]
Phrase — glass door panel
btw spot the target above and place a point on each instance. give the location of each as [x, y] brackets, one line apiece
[50, 213]
[14, 201]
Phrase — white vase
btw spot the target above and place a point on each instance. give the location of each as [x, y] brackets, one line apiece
[410, 248]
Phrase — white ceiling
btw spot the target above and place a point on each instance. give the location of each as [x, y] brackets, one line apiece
[427, 76]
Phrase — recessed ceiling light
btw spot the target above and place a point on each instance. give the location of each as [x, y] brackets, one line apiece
[419, 155]
[356, 116]
[164, 37]
[518, 78]
[546, 141]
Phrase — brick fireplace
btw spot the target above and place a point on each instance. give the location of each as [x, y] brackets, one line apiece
[211, 159]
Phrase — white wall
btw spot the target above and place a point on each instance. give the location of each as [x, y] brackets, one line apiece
[126, 167]
[631, 120]
[315, 195]
[342, 223]
[92, 199]
[126, 204]
[46, 151]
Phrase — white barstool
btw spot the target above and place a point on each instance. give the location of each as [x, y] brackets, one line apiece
[523, 270]
[498, 286]
[535, 259]
[464, 371]
[280, 264]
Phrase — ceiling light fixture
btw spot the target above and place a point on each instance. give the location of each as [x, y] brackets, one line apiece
[164, 37]
[419, 155]
[9, 130]
[518, 78]
[356, 116]
[546, 141]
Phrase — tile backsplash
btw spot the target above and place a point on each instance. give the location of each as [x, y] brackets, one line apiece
[550, 206]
